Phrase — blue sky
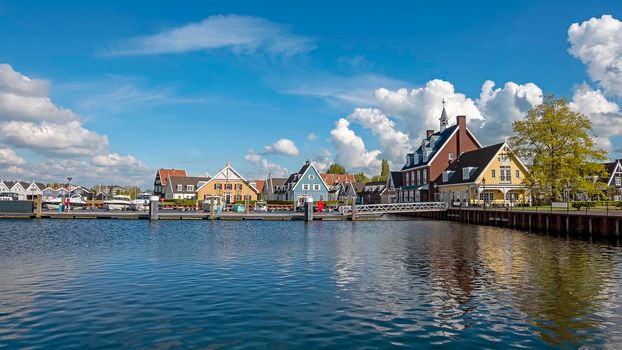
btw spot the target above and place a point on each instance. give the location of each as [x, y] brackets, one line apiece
[199, 83]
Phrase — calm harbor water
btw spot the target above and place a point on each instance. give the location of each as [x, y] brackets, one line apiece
[212, 285]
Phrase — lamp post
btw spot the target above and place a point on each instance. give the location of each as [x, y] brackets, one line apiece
[484, 192]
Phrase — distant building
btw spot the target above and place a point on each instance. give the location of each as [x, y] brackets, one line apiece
[492, 175]
[259, 185]
[24, 190]
[159, 184]
[436, 152]
[183, 187]
[307, 182]
[271, 186]
[394, 186]
[374, 192]
[229, 185]
[333, 179]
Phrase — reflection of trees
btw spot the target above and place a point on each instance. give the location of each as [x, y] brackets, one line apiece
[563, 288]
[558, 284]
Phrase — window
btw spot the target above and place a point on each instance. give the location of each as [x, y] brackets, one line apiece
[518, 174]
[305, 187]
[618, 181]
[218, 186]
[189, 188]
[451, 156]
[466, 173]
[247, 197]
[311, 177]
[487, 196]
[445, 176]
[425, 176]
[418, 177]
[238, 187]
[493, 173]
[237, 197]
[506, 174]
[316, 187]
[228, 186]
[180, 188]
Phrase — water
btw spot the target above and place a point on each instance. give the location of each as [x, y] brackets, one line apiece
[291, 285]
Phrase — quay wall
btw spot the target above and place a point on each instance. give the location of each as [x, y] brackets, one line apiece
[572, 223]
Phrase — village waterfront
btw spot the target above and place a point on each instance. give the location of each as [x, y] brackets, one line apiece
[252, 284]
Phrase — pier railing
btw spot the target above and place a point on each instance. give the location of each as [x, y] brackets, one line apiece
[394, 208]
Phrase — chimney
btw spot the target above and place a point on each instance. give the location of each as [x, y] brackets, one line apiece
[429, 133]
[462, 136]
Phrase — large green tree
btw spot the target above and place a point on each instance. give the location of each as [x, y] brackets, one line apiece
[559, 145]
[336, 169]
[361, 177]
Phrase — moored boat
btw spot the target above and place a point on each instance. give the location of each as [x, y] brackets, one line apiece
[118, 202]
[75, 202]
[141, 202]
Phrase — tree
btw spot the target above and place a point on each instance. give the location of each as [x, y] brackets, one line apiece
[384, 169]
[559, 145]
[360, 177]
[337, 169]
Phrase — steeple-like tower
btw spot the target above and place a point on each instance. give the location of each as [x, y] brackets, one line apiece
[444, 120]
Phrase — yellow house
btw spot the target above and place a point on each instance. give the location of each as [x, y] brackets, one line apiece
[229, 185]
[491, 175]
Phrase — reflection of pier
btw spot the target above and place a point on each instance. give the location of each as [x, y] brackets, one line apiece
[394, 208]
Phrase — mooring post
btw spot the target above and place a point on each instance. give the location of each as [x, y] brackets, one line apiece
[154, 202]
[353, 208]
[211, 208]
[308, 208]
[38, 207]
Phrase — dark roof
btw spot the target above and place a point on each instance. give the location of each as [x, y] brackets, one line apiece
[358, 186]
[477, 159]
[440, 138]
[186, 180]
[9, 184]
[397, 178]
[611, 167]
[293, 178]
[373, 187]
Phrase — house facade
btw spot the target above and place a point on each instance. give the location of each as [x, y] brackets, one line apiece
[159, 184]
[271, 187]
[307, 182]
[183, 187]
[491, 176]
[24, 190]
[614, 182]
[229, 185]
[436, 152]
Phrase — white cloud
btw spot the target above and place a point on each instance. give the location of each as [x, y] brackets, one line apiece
[312, 137]
[115, 160]
[502, 106]
[351, 151]
[8, 156]
[69, 139]
[19, 84]
[323, 160]
[263, 167]
[241, 34]
[421, 108]
[598, 44]
[393, 142]
[284, 147]
[605, 115]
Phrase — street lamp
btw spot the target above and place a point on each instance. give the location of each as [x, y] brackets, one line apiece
[484, 192]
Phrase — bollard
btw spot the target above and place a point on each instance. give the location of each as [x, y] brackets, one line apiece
[309, 209]
[39, 204]
[353, 208]
[154, 202]
[211, 208]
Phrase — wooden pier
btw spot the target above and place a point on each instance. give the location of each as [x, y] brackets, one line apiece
[575, 223]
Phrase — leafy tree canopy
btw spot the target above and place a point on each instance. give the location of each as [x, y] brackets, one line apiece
[360, 177]
[337, 169]
[559, 145]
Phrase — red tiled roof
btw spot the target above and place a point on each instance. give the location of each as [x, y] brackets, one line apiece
[259, 185]
[332, 179]
[165, 173]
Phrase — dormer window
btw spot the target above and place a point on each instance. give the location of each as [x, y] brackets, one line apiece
[451, 156]
[180, 188]
[445, 176]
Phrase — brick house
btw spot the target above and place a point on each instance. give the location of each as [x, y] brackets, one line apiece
[434, 155]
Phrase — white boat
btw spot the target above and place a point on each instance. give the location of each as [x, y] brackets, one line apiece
[75, 202]
[118, 203]
[141, 202]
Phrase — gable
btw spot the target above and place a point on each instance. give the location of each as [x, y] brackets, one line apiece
[617, 171]
[17, 187]
[317, 178]
[3, 187]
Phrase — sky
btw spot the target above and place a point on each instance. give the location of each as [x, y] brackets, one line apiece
[109, 92]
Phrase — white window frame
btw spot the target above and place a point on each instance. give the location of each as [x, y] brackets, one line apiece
[305, 187]
[311, 177]
[445, 176]
[418, 177]
[466, 173]
[451, 156]
[618, 181]
[189, 188]
[180, 188]
[316, 187]
[425, 176]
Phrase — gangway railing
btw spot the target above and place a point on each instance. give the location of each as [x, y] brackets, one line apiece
[394, 208]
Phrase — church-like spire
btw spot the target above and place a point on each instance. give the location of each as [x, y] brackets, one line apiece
[444, 120]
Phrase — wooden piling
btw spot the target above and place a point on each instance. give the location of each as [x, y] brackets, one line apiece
[353, 208]
[39, 206]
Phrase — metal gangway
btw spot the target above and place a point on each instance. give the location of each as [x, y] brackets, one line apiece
[393, 208]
